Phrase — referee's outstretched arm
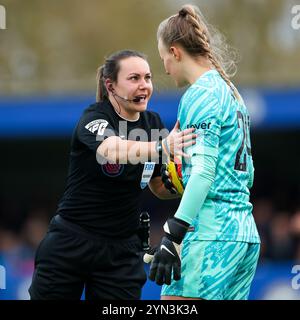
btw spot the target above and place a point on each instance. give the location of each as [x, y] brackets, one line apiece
[116, 150]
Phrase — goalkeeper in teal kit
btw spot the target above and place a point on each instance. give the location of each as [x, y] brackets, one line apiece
[211, 245]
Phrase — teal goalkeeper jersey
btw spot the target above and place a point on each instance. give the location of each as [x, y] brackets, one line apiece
[222, 124]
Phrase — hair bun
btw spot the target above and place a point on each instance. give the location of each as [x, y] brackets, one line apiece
[183, 13]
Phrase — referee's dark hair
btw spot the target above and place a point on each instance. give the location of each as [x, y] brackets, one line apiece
[110, 70]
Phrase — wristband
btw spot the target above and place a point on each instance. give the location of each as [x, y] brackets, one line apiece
[158, 148]
[175, 229]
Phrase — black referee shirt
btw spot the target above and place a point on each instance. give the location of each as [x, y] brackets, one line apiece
[104, 199]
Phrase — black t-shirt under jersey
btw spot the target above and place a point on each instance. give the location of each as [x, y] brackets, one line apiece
[104, 199]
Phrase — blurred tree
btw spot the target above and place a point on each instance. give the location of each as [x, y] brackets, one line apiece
[56, 46]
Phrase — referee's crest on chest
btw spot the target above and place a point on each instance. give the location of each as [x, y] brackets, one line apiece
[112, 170]
[147, 174]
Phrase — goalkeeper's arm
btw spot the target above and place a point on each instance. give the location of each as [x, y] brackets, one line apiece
[197, 188]
[167, 258]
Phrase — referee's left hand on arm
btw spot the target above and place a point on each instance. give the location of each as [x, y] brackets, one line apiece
[175, 143]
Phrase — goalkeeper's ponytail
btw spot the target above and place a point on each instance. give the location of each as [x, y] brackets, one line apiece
[189, 29]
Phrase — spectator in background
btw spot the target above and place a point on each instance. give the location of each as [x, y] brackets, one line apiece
[263, 212]
[295, 234]
[9, 241]
[35, 228]
[281, 245]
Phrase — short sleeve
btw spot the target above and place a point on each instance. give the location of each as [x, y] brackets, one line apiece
[200, 109]
[93, 129]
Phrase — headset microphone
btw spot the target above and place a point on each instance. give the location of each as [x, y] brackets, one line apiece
[136, 99]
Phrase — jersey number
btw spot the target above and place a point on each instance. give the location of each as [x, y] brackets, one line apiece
[241, 162]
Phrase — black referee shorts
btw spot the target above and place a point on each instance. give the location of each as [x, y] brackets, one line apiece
[69, 259]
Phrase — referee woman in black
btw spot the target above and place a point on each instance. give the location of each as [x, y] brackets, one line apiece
[92, 242]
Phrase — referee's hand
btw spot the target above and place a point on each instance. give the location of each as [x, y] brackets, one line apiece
[175, 143]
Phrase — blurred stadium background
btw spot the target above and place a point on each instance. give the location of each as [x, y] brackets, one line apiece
[49, 53]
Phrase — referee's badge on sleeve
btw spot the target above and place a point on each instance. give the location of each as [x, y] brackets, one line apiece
[147, 174]
[98, 125]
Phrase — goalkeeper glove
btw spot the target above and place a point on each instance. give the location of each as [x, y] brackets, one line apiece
[172, 176]
[167, 257]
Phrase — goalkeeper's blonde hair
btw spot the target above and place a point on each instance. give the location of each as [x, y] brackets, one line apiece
[189, 29]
